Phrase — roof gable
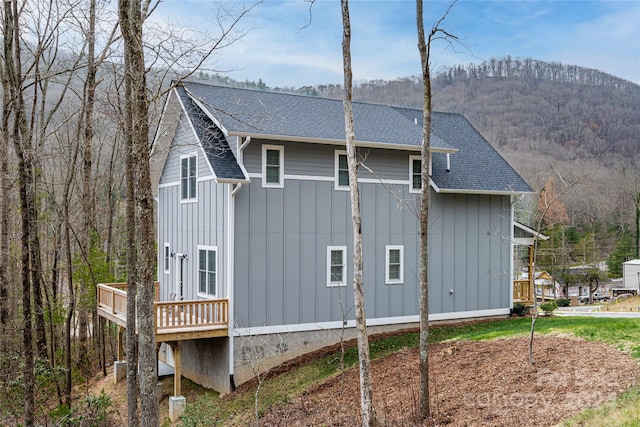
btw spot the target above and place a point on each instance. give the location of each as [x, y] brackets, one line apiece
[214, 143]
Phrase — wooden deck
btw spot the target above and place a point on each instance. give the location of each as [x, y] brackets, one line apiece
[522, 291]
[174, 320]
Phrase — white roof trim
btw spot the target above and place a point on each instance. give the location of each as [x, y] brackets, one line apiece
[369, 144]
[534, 233]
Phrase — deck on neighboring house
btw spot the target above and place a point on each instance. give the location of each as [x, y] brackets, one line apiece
[174, 320]
[523, 291]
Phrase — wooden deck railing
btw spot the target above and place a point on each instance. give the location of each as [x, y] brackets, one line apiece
[113, 299]
[191, 314]
[522, 290]
[170, 316]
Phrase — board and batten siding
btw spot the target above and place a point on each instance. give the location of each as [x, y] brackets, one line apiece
[186, 225]
[318, 160]
[282, 236]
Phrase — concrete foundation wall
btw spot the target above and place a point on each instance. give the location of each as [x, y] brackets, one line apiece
[206, 362]
[264, 352]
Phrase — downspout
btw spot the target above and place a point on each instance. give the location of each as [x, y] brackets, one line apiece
[511, 254]
[231, 205]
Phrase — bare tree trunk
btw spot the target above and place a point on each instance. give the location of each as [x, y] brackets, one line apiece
[5, 184]
[132, 14]
[366, 385]
[87, 191]
[425, 200]
[14, 78]
[132, 263]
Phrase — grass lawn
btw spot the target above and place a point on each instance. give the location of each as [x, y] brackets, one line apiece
[204, 407]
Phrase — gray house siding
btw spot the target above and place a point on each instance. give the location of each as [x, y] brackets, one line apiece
[317, 160]
[186, 225]
[285, 233]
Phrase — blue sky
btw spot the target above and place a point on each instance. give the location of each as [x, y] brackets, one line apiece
[285, 46]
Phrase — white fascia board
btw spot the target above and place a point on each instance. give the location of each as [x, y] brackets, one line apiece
[482, 192]
[341, 142]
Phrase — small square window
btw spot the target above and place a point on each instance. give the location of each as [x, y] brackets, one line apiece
[394, 265]
[336, 267]
[341, 171]
[273, 166]
[188, 177]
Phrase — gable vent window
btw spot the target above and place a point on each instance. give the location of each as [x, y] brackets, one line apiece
[272, 166]
[342, 171]
[415, 173]
[188, 178]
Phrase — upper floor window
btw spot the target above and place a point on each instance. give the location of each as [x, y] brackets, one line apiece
[341, 171]
[273, 166]
[394, 264]
[336, 267]
[207, 270]
[415, 174]
[188, 177]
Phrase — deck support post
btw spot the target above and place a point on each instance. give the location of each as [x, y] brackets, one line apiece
[120, 343]
[177, 370]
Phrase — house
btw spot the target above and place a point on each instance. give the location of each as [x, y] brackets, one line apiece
[254, 211]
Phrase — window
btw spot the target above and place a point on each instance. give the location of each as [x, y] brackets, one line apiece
[415, 174]
[207, 270]
[273, 166]
[342, 171]
[188, 177]
[336, 268]
[394, 261]
[167, 258]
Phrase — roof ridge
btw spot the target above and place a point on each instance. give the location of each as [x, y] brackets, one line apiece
[301, 95]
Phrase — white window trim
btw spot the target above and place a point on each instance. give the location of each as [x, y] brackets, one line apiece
[166, 257]
[215, 250]
[337, 185]
[411, 189]
[280, 183]
[343, 282]
[194, 199]
[388, 250]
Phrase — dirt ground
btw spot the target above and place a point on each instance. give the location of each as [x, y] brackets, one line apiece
[472, 383]
[485, 383]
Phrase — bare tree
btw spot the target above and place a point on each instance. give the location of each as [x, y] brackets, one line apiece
[132, 15]
[366, 386]
[14, 79]
[547, 202]
[424, 46]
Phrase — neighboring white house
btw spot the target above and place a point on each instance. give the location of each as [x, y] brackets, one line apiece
[631, 274]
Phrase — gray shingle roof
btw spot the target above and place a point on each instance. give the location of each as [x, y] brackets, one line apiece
[246, 111]
[219, 154]
[476, 166]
